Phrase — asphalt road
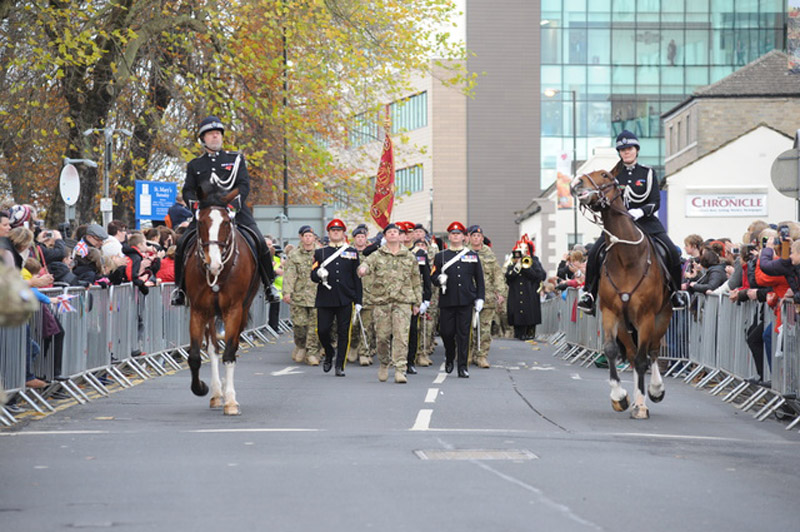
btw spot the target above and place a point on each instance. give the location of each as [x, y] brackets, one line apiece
[531, 444]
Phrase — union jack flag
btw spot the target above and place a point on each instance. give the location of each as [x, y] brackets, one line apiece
[63, 304]
[81, 249]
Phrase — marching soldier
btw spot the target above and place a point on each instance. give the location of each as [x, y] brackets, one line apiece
[431, 317]
[524, 275]
[219, 171]
[419, 250]
[363, 328]
[495, 286]
[338, 293]
[299, 292]
[458, 273]
[396, 293]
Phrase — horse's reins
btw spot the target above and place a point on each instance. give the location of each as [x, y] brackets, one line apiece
[229, 249]
[605, 203]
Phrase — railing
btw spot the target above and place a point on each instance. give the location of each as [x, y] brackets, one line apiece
[705, 345]
[112, 336]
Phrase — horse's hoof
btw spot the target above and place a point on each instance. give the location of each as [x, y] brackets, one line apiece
[215, 402]
[640, 412]
[232, 410]
[621, 405]
[201, 389]
[656, 398]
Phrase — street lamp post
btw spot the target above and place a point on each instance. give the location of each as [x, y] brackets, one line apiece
[573, 165]
[105, 201]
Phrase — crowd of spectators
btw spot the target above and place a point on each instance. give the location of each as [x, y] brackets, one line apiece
[763, 266]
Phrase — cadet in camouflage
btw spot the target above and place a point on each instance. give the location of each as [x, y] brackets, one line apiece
[495, 285]
[299, 292]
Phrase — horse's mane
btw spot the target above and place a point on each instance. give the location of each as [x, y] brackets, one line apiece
[211, 197]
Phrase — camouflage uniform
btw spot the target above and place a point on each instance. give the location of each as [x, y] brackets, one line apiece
[357, 346]
[495, 282]
[396, 287]
[429, 325]
[297, 284]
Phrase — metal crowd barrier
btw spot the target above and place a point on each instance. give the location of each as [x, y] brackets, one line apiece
[112, 335]
[706, 346]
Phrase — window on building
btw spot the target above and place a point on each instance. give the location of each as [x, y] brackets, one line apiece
[363, 130]
[409, 113]
[409, 179]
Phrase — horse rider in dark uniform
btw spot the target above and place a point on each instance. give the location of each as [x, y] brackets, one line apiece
[220, 172]
[339, 293]
[642, 198]
[457, 271]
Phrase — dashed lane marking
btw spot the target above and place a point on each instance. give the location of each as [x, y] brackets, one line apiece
[423, 421]
[440, 378]
[431, 396]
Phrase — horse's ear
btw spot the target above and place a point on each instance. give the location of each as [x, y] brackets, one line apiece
[230, 195]
[205, 190]
[618, 168]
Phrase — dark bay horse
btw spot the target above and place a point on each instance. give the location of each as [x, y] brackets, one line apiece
[221, 282]
[632, 292]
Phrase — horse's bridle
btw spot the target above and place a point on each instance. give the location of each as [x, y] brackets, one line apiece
[604, 203]
[228, 249]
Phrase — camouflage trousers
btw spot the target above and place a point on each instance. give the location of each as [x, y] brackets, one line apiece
[392, 323]
[357, 337]
[476, 351]
[304, 326]
[429, 330]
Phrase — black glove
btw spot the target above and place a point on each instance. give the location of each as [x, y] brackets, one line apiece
[561, 286]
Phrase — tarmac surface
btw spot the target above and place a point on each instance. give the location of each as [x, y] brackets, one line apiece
[530, 444]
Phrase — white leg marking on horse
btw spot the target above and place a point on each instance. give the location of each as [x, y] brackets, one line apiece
[213, 249]
[638, 396]
[617, 391]
[230, 393]
[216, 385]
[656, 384]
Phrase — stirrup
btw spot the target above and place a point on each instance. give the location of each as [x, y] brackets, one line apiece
[677, 301]
[177, 298]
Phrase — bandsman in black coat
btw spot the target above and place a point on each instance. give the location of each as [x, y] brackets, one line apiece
[338, 294]
[524, 275]
[420, 251]
[462, 290]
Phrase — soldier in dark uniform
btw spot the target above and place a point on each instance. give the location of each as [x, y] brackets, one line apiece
[462, 290]
[338, 292]
[219, 171]
[425, 273]
[642, 199]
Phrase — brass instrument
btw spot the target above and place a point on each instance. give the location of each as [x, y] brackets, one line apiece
[526, 261]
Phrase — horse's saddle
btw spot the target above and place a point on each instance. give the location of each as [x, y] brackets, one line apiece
[663, 256]
[250, 237]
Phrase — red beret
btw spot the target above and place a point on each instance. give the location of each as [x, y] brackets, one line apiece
[336, 223]
[456, 226]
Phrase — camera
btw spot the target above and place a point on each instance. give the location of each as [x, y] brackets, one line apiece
[784, 232]
[736, 251]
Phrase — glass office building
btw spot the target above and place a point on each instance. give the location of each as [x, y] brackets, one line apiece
[628, 61]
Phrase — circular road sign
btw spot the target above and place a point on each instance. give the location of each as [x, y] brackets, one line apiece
[69, 184]
[785, 172]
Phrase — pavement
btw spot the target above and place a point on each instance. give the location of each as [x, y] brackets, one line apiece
[530, 444]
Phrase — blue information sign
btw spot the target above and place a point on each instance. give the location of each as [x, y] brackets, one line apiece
[153, 199]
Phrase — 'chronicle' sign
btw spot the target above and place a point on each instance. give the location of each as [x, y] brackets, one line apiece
[708, 205]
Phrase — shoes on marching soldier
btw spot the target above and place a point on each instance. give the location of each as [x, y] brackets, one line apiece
[400, 377]
[411, 370]
[424, 361]
[327, 364]
[340, 372]
[312, 360]
[364, 360]
[448, 366]
[482, 362]
[383, 372]
[463, 373]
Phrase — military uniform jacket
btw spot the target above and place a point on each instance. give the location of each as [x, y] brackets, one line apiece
[297, 282]
[464, 278]
[523, 305]
[424, 264]
[394, 278]
[641, 191]
[198, 172]
[342, 277]
[493, 279]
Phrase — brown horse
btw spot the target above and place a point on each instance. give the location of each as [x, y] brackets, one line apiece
[221, 282]
[632, 292]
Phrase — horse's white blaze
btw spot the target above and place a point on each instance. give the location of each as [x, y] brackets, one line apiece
[656, 387]
[214, 253]
[216, 385]
[618, 393]
[230, 393]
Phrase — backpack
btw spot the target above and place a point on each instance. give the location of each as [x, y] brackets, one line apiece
[19, 302]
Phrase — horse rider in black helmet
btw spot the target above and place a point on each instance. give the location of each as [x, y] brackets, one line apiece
[220, 171]
[642, 199]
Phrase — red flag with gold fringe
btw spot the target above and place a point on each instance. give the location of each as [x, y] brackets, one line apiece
[383, 200]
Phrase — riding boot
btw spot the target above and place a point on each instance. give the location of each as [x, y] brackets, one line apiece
[587, 301]
[178, 298]
[266, 272]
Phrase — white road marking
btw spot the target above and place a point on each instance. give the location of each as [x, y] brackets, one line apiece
[440, 378]
[423, 419]
[289, 370]
[537, 368]
[575, 377]
[53, 432]
[431, 396]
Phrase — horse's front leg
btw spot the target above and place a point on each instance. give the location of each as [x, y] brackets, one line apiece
[233, 328]
[641, 364]
[197, 332]
[619, 397]
[216, 385]
[656, 388]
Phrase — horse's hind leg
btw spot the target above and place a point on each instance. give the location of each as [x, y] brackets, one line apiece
[216, 385]
[655, 391]
[196, 329]
[640, 364]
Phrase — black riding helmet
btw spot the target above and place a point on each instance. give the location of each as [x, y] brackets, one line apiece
[209, 123]
[626, 139]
